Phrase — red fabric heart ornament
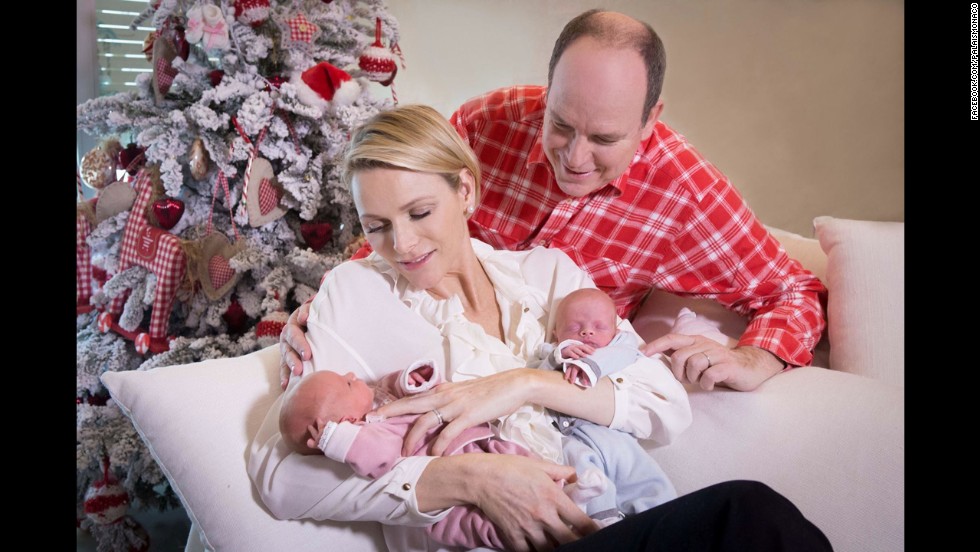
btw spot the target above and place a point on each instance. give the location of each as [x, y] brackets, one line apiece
[168, 211]
[316, 234]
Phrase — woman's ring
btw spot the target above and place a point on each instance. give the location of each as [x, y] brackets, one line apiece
[705, 356]
[438, 416]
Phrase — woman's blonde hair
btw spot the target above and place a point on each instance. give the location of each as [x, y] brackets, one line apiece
[411, 137]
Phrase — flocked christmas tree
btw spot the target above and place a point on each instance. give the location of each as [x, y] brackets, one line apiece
[221, 214]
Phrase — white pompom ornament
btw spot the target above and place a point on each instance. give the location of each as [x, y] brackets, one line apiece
[377, 62]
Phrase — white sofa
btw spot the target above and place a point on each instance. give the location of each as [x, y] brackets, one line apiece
[831, 440]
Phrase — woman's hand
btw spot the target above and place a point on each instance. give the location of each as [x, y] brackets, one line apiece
[462, 405]
[698, 359]
[517, 493]
[293, 344]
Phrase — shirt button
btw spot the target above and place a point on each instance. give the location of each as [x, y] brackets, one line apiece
[564, 424]
[526, 309]
[407, 487]
[619, 380]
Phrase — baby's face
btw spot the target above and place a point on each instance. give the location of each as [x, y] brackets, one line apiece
[587, 317]
[343, 397]
[327, 396]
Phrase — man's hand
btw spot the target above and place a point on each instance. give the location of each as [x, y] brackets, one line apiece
[697, 359]
[293, 345]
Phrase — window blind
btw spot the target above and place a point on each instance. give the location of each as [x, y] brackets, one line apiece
[120, 50]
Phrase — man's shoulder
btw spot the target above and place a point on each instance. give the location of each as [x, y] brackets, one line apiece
[668, 158]
[512, 103]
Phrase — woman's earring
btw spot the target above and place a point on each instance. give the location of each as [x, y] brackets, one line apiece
[469, 210]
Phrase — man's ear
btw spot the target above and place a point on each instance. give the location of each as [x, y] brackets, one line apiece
[652, 117]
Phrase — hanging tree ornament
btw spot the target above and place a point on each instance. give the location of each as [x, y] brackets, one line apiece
[132, 159]
[377, 62]
[297, 31]
[198, 159]
[206, 24]
[262, 191]
[213, 268]
[105, 506]
[163, 69]
[316, 234]
[235, 317]
[251, 12]
[168, 211]
[98, 167]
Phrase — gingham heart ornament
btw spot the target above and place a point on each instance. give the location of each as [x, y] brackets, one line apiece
[263, 194]
[214, 271]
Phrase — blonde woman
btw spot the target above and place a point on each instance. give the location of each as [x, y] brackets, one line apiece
[430, 291]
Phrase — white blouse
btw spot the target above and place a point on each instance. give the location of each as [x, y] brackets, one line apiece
[366, 319]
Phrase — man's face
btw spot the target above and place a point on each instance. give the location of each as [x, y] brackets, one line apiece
[592, 124]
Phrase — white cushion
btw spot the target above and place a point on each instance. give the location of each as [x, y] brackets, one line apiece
[866, 304]
[198, 420]
[833, 443]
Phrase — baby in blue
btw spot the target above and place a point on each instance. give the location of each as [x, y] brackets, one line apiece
[589, 347]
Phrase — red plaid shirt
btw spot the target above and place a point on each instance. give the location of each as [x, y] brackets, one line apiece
[672, 221]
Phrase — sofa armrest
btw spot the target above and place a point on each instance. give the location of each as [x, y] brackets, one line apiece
[831, 442]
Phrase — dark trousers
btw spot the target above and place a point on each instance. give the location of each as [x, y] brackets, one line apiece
[730, 516]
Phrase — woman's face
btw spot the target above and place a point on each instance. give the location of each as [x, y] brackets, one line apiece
[415, 221]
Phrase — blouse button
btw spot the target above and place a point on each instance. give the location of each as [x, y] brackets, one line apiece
[526, 309]
[407, 487]
[619, 380]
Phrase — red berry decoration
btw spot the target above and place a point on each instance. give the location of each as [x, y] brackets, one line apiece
[168, 211]
[216, 76]
[316, 234]
[132, 158]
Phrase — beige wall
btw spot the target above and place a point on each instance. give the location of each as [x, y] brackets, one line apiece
[799, 102]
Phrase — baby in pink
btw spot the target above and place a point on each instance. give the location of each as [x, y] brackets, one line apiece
[324, 412]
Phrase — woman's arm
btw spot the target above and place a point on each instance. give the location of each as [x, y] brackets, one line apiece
[344, 337]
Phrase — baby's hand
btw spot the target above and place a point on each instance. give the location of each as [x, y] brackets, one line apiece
[421, 375]
[572, 373]
[577, 351]
[315, 432]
